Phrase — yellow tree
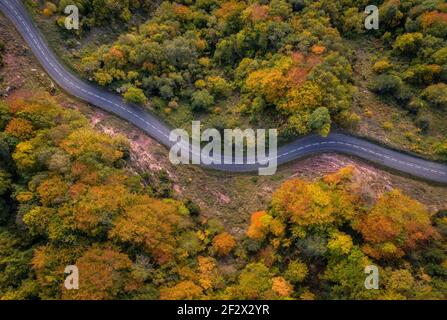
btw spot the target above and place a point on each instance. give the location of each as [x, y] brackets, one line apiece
[224, 243]
[104, 273]
[151, 224]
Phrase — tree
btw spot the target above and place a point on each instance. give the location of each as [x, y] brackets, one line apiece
[345, 278]
[219, 87]
[320, 120]
[390, 14]
[208, 273]
[20, 128]
[296, 271]
[223, 243]
[386, 84]
[24, 156]
[185, 290]
[282, 287]
[5, 182]
[135, 95]
[254, 282]
[258, 228]
[151, 224]
[104, 275]
[395, 225]
[87, 144]
[310, 204]
[52, 191]
[263, 224]
[436, 95]
[202, 100]
[340, 243]
[408, 43]
[269, 84]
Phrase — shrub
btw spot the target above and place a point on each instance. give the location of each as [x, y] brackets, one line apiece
[202, 100]
[50, 9]
[135, 95]
[388, 126]
[436, 95]
[440, 56]
[423, 74]
[408, 44]
[423, 124]
[382, 66]
[320, 120]
[386, 84]
[415, 105]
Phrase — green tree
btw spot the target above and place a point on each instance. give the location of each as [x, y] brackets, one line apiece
[436, 95]
[320, 120]
[202, 100]
[135, 95]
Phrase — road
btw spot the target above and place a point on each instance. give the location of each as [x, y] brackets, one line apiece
[157, 129]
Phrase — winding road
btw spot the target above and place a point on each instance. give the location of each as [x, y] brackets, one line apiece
[303, 147]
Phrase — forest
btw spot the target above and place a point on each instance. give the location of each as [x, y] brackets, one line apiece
[68, 198]
[283, 63]
[69, 194]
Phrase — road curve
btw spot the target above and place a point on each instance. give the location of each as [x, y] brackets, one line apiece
[303, 147]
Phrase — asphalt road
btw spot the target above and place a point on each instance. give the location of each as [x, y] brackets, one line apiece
[303, 147]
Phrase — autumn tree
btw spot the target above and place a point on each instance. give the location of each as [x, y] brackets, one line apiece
[223, 243]
[394, 226]
[151, 224]
[254, 282]
[135, 95]
[185, 290]
[311, 204]
[105, 275]
[296, 271]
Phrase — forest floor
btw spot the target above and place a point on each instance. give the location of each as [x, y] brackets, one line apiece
[231, 198]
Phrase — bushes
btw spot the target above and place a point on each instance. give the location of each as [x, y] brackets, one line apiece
[381, 66]
[408, 43]
[320, 120]
[386, 84]
[202, 100]
[423, 74]
[436, 95]
[440, 56]
[135, 95]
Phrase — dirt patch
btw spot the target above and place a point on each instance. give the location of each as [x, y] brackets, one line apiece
[20, 69]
